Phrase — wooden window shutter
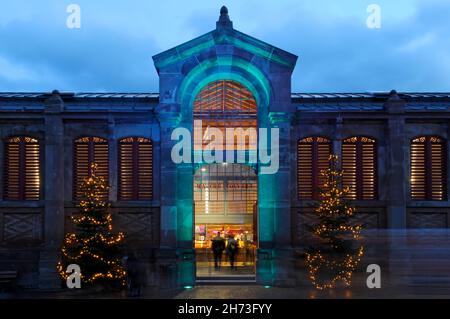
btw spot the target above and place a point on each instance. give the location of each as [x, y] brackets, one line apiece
[22, 169]
[428, 168]
[312, 158]
[135, 169]
[359, 163]
[89, 150]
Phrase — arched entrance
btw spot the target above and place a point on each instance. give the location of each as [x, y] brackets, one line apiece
[225, 193]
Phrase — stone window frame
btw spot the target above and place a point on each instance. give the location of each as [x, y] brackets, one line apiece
[22, 140]
[314, 141]
[428, 141]
[91, 142]
[136, 143]
[360, 141]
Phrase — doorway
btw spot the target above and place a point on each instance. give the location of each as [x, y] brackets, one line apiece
[225, 204]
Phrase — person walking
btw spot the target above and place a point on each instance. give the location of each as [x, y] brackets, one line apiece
[217, 246]
[232, 247]
[134, 285]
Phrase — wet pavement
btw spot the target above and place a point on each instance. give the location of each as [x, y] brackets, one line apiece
[414, 264]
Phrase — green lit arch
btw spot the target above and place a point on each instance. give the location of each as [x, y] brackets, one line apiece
[225, 68]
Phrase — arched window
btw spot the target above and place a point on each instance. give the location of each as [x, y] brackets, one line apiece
[226, 104]
[22, 169]
[359, 163]
[135, 168]
[312, 158]
[428, 168]
[89, 150]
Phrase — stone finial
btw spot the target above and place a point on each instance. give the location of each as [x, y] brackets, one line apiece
[393, 96]
[224, 19]
[224, 10]
[54, 103]
[394, 103]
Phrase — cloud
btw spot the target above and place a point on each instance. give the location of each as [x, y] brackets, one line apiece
[113, 49]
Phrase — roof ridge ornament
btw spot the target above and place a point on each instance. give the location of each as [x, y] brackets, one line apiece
[394, 104]
[224, 20]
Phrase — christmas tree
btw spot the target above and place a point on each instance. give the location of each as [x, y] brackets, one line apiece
[335, 255]
[94, 247]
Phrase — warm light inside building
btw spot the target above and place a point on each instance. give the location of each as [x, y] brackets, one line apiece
[359, 164]
[226, 104]
[428, 168]
[22, 168]
[312, 158]
[225, 194]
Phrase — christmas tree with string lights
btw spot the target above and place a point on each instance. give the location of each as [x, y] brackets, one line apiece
[94, 247]
[336, 253]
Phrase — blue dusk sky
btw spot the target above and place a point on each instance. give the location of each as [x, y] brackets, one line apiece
[113, 48]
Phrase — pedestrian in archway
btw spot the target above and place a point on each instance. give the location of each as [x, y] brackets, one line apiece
[217, 246]
[232, 247]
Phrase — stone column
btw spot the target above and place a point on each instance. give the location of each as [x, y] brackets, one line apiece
[337, 140]
[176, 253]
[113, 158]
[54, 192]
[2, 160]
[275, 229]
[448, 166]
[168, 122]
[397, 168]
[282, 183]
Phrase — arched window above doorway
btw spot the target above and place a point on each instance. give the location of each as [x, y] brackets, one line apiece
[226, 98]
[226, 104]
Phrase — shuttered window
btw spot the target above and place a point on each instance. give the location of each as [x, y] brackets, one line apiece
[135, 169]
[428, 168]
[359, 166]
[89, 150]
[312, 158]
[22, 169]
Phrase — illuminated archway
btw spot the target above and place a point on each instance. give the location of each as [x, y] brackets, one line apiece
[225, 194]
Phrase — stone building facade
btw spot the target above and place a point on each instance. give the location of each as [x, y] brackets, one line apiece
[389, 137]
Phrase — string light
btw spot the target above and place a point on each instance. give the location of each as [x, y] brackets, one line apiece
[337, 261]
[94, 247]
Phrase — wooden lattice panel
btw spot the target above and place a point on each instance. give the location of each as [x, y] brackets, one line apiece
[428, 220]
[22, 227]
[137, 226]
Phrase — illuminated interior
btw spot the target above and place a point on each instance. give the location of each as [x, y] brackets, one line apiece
[225, 201]
[225, 194]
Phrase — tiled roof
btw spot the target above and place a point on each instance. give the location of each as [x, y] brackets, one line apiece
[305, 102]
[335, 107]
[369, 95]
[41, 95]
[295, 96]
[372, 101]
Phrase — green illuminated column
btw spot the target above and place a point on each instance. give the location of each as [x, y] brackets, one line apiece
[168, 231]
[176, 206]
[275, 252]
